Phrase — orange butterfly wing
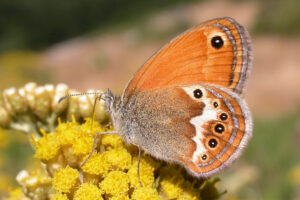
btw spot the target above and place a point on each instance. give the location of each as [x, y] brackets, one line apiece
[191, 58]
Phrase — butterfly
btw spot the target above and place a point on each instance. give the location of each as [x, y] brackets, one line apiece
[185, 105]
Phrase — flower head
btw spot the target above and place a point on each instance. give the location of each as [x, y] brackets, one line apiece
[96, 165]
[46, 147]
[65, 180]
[145, 193]
[88, 191]
[113, 179]
[59, 196]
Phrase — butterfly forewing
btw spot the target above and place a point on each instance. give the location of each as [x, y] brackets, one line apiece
[215, 52]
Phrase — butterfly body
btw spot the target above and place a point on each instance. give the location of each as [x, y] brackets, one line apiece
[184, 104]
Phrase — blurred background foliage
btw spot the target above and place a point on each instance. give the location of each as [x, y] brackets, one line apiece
[36, 24]
[46, 41]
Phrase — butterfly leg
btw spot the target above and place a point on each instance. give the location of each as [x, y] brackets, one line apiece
[138, 168]
[94, 144]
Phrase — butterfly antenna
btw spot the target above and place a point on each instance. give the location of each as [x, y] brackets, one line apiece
[79, 94]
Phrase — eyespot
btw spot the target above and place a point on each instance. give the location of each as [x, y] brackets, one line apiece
[219, 128]
[217, 42]
[215, 104]
[204, 157]
[223, 116]
[212, 143]
[198, 93]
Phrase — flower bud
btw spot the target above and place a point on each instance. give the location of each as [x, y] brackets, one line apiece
[22, 176]
[61, 90]
[73, 108]
[85, 106]
[4, 117]
[42, 102]
[30, 94]
[50, 89]
[100, 111]
[14, 101]
[100, 107]
[36, 185]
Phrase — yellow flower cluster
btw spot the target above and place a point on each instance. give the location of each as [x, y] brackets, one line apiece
[32, 107]
[109, 174]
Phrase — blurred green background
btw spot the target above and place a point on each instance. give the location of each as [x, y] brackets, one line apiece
[101, 43]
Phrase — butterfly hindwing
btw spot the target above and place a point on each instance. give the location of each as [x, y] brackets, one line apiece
[222, 129]
[201, 126]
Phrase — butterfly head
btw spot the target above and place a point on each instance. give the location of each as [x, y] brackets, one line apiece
[110, 100]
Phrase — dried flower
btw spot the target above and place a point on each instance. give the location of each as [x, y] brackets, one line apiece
[33, 107]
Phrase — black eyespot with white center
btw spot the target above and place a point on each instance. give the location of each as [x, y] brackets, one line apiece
[223, 116]
[204, 157]
[216, 104]
[198, 93]
[212, 143]
[219, 128]
[217, 42]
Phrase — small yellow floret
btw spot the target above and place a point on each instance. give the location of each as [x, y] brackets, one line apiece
[146, 173]
[83, 146]
[68, 132]
[116, 182]
[68, 137]
[47, 147]
[112, 142]
[65, 179]
[147, 161]
[144, 193]
[97, 165]
[171, 182]
[88, 191]
[118, 158]
[170, 189]
[59, 196]
[120, 197]
[88, 130]
[62, 127]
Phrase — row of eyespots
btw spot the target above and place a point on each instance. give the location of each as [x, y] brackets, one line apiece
[219, 128]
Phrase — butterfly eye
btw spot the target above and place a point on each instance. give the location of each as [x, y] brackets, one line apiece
[198, 93]
[204, 157]
[223, 116]
[212, 143]
[219, 128]
[217, 42]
